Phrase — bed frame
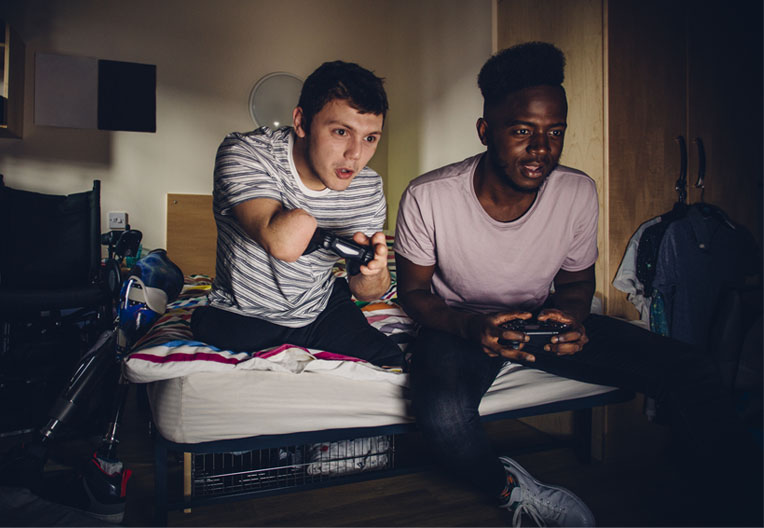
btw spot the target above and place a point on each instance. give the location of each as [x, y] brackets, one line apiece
[191, 244]
[580, 441]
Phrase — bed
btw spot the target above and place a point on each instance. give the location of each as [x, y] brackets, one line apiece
[288, 417]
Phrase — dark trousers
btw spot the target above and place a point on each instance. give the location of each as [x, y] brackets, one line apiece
[341, 328]
[449, 377]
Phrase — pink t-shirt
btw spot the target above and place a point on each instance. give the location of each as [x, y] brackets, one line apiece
[483, 265]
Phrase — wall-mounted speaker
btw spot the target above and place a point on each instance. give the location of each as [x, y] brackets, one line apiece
[127, 96]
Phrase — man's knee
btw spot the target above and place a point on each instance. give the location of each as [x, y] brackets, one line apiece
[386, 353]
[198, 323]
[440, 404]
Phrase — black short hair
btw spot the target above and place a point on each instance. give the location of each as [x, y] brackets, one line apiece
[348, 81]
[521, 66]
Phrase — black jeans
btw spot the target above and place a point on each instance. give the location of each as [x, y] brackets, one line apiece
[341, 328]
[451, 375]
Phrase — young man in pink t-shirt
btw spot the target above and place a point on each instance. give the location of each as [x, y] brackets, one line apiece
[483, 242]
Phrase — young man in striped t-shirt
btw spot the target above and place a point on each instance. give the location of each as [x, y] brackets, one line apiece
[272, 190]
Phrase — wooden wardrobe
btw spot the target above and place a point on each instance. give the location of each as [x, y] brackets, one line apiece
[640, 74]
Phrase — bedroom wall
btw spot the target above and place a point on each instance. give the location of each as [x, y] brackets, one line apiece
[209, 55]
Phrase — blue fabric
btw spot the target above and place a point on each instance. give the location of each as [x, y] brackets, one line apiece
[649, 246]
[156, 270]
[658, 321]
[700, 255]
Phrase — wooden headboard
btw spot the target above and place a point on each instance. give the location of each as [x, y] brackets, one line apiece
[191, 233]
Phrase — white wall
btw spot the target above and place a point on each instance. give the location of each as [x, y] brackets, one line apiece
[438, 49]
[208, 56]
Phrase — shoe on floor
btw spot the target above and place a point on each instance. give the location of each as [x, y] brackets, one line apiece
[98, 490]
[544, 504]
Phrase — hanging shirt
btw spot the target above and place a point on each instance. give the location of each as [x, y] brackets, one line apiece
[699, 255]
[626, 279]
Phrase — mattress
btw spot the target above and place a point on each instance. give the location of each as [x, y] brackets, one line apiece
[209, 406]
[199, 393]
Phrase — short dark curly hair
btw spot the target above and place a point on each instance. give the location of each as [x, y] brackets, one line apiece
[348, 81]
[521, 66]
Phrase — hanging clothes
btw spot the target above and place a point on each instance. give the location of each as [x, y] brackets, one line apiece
[636, 272]
[626, 278]
[699, 255]
[678, 304]
[649, 246]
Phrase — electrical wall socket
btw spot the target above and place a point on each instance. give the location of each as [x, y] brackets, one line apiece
[117, 220]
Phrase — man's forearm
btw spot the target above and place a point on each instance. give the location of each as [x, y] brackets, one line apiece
[286, 235]
[283, 233]
[573, 292]
[431, 311]
[369, 287]
[574, 298]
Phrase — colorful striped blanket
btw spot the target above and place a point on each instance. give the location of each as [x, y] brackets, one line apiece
[169, 350]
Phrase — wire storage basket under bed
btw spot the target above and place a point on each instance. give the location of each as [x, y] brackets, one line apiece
[271, 469]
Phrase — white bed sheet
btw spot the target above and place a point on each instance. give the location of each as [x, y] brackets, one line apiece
[209, 406]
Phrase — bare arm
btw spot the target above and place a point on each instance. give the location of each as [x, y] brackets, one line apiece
[571, 304]
[431, 311]
[374, 277]
[283, 233]
[574, 291]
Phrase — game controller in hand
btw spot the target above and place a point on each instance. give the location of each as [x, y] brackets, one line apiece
[344, 247]
[540, 332]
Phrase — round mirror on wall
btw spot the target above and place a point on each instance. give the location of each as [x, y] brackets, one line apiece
[273, 98]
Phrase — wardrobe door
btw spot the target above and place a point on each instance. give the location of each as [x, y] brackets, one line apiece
[646, 112]
[725, 106]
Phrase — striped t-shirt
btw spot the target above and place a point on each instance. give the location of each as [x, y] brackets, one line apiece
[248, 280]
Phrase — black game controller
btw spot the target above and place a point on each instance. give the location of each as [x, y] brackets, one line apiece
[344, 247]
[539, 332]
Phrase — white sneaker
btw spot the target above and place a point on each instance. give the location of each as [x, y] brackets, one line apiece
[546, 505]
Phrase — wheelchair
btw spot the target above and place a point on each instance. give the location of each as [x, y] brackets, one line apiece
[89, 296]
